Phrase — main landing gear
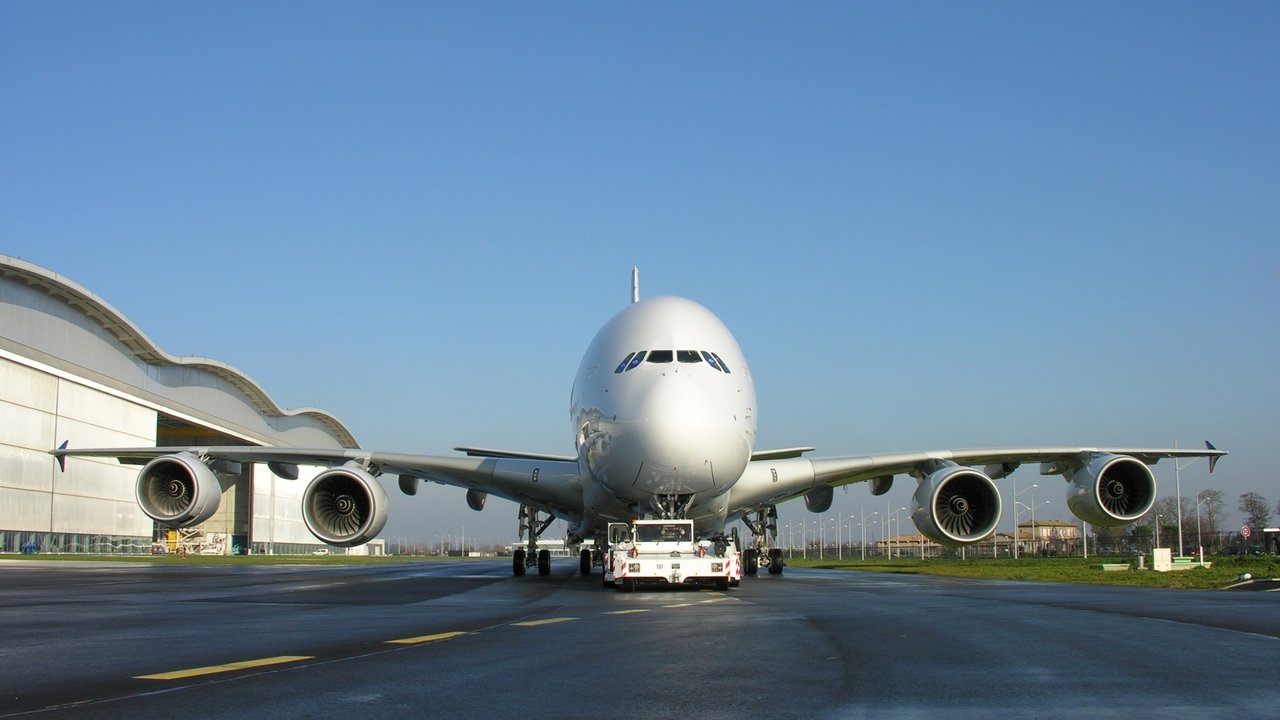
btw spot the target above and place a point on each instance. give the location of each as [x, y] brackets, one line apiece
[532, 523]
[764, 527]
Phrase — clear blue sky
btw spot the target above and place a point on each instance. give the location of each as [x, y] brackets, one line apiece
[930, 225]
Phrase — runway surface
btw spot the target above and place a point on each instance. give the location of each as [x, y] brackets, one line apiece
[465, 639]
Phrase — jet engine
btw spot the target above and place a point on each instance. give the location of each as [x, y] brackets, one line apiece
[344, 506]
[956, 506]
[1111, 490]
[178, 490]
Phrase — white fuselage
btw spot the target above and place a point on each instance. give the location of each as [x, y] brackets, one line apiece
[663, 412]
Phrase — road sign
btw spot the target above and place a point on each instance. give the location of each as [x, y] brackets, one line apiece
[1245, 532]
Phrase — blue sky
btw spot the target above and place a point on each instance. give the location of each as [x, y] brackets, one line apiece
[930, 225]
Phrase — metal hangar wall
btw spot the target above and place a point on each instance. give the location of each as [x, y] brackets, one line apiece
[74, 369]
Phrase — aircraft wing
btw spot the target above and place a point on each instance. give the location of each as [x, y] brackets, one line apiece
[548, 483]
[768, 482]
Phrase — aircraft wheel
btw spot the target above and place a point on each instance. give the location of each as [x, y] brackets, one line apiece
[517, 562]
[751, 561]
[544, 562]
[584, 563]
[775, 561]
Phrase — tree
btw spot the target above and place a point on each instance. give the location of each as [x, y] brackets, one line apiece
[1256, 512]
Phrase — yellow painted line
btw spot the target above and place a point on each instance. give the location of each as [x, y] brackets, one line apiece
[426, 638]
[229, 667]
[626, 612]
[548, 621]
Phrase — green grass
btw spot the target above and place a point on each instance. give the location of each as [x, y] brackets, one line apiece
[1224, 572]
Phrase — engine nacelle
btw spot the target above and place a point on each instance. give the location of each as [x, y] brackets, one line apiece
[956, 506]
[178, 490]
[1111, 490]
[344, 506]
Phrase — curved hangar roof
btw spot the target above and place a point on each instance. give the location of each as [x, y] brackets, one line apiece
[50, 319]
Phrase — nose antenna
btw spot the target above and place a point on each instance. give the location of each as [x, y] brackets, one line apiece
[635, 284]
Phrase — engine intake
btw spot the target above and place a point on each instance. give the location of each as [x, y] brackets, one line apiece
[178, 490]
[344, 506]
[1111, 490]
[956, 506]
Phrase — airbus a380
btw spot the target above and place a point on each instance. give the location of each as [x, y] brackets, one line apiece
[664, 426]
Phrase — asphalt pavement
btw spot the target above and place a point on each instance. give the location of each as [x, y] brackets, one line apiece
[465, 639]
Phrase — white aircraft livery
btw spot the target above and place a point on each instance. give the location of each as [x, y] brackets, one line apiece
[664, 426]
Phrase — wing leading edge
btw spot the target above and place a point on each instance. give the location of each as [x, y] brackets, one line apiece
[549, 483]
[769, 481]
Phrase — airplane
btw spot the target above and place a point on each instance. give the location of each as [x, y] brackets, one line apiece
[664, 426]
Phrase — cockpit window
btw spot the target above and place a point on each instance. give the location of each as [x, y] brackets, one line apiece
[639, 358]
[691, 357]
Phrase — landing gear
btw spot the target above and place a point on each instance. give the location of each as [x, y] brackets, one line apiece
[532, 524]
[775, 561]
[764, 528]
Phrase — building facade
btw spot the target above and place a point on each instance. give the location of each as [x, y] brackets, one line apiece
[73, 369]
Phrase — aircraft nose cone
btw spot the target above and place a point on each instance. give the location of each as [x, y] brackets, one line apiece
[682, 426]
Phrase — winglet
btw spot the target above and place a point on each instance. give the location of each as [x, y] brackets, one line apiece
[1213, 459]
[635, 284]
[62, 459]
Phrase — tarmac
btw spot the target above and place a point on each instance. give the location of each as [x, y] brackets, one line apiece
[461, 639]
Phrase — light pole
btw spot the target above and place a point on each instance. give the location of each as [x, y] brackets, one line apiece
[1177, 481]
[863, 525]
[839, 539]
[1158, 516]
[1033, 517]
[1017, 512]
[893, 552]
[1032, 509]
[804, 540]
[1199, 540]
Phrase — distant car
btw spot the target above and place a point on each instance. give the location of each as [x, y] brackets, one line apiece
[321, 551]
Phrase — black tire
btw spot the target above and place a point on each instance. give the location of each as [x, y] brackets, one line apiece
[544, 562]
[722, 584]
[775, 561]
[517, 562]
[584, 563]
[628, 585]
[751, 561]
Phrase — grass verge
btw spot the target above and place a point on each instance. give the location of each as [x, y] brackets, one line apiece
[1224, 572]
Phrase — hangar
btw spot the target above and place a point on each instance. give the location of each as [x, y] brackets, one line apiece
[74, 369]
